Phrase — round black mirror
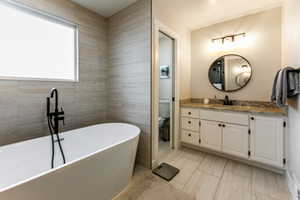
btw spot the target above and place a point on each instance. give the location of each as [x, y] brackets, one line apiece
[230, 73]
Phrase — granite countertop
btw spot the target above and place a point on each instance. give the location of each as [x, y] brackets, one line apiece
[263, 108]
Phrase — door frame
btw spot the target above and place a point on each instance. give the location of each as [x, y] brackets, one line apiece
[174, 119]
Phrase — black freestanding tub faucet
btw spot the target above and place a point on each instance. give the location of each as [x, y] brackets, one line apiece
[55, 116]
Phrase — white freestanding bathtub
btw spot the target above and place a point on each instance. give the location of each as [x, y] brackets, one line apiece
[100, 162]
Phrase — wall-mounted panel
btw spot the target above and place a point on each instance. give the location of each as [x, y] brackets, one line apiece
[129, 80]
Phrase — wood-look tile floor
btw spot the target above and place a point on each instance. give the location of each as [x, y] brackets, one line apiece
[206, 177]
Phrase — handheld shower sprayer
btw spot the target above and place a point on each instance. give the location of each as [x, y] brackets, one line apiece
[55, 116]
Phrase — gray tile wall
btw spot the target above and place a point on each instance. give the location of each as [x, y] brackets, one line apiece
[23, 103]
[129, 83]
[115, 77]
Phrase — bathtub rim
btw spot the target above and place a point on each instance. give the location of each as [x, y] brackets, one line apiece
[75, 160]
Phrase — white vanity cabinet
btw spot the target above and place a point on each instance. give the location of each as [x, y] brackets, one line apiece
[190, 137]
[236, 140]
[190, 126]
[267, 140]
[211, 135]
[256, 138]
[228, 138]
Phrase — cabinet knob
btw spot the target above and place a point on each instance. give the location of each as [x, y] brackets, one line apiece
[252, 118]
[190, 113]
[189, 122]
[224, 125]
[220, 125]
[190, 135]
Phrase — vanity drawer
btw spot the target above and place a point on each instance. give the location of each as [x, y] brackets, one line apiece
[190, 124]
[190, 137]
[227, 117]
[190, 112]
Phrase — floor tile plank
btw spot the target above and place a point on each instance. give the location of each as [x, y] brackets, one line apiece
[187, 168]
[234, 187]
[269, 184]
[238, 169]
[202, 186]
[206, 177]
[213, 165]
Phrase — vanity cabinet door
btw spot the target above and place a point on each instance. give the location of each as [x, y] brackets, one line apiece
[235, 140]
[211, 135]
[267, 140]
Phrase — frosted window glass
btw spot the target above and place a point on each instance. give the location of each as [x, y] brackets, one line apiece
[36, 47]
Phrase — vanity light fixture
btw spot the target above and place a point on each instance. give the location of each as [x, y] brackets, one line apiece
[230, 38]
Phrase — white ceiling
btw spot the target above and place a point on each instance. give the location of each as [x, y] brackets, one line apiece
[195, 14]
[105, 8]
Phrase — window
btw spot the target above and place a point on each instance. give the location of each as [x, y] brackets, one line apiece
[36, 46]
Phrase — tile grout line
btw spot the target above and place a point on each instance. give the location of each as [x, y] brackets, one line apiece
[253, 195]
[193, 173]
[219, 182]
[195, 170]
[210, 174]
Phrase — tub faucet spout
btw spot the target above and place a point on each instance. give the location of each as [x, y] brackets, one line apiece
[54, 128]
[54, 91]
[56, 115]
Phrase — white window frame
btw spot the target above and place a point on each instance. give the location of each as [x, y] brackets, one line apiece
[52, 18]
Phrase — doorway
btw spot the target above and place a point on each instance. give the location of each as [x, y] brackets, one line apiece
[165, 90]
[165, 118]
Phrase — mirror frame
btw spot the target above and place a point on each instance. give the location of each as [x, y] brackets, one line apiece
[235, 89]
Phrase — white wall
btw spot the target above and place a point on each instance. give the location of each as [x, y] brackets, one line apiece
[263, 50]
[291, 57]
[184, 35]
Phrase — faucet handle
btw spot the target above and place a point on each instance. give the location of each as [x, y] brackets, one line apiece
[62, 119]
[62, 112]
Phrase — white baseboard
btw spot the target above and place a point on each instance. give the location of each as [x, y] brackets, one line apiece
[293, 185]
